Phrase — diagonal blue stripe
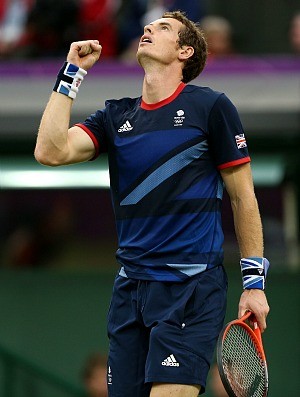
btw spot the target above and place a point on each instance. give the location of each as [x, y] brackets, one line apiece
[166, 170]
[190, 269]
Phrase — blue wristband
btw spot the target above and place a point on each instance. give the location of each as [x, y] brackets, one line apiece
[254, 272]
[69, 79]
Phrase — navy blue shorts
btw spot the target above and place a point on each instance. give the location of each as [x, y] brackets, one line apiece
[163, 331]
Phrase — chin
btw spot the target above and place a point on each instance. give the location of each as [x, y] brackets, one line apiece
[140, 56]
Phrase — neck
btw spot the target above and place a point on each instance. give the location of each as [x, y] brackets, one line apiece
[159, 84]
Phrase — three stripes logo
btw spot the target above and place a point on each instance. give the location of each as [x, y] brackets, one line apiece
[126, 127]
[170, 361]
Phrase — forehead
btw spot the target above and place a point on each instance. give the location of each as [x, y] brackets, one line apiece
[172, 22]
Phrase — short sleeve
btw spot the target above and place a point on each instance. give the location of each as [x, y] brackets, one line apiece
[226, 134]
[95, 127]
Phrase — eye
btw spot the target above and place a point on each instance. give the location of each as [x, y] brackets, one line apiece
[165, 27]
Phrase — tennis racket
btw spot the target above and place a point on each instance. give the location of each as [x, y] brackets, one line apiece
[241, 359]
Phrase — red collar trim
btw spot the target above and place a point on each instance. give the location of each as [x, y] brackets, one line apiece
[153, 106]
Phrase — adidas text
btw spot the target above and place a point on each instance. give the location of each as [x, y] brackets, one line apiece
[125, 127]
[170, 362]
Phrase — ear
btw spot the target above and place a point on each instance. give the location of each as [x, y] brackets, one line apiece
[185, 52]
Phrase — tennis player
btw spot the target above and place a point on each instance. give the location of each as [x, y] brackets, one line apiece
[170, 153]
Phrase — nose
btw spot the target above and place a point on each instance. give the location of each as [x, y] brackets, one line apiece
[148, 29]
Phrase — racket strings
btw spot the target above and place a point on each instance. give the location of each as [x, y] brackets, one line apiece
[242, 363]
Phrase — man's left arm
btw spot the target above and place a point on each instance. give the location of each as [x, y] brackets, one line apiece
[248, 228]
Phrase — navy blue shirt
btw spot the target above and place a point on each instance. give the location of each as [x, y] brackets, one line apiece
[164, 162]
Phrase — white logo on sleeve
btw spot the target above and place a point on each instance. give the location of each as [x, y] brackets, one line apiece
[125, 127]
[240, 141]
[170, 361]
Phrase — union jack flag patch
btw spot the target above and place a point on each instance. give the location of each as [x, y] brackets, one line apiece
[240, 141]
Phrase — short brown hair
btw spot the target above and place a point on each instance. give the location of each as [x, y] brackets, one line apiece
[190, 35]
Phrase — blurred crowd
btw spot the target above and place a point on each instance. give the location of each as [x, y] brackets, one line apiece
[45, 28]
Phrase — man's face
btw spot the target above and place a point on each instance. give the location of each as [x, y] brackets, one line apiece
[160, 41]
[96, 384]
[295, 34]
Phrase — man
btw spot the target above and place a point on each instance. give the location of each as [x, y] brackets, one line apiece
[294, 33]
[169, 153]
[215, 382]
[94, 375]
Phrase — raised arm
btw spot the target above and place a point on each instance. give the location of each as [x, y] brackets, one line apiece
[56, 143]
[248, 229]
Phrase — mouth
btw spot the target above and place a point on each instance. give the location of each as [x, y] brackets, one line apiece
[145, 40]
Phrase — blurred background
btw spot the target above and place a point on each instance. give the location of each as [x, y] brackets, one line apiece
[57, 234]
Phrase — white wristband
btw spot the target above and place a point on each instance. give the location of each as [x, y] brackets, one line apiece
[254, 272]
[69, 79]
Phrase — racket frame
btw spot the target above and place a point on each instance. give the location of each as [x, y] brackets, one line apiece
[255, 335]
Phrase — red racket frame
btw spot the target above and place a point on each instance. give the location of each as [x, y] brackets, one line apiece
[255, 335]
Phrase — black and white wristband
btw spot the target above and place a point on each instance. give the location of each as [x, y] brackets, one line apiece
[254, 272]
[69, 79]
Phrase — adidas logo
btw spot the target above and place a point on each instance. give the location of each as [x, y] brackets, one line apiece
[125, 127]
[170, 361]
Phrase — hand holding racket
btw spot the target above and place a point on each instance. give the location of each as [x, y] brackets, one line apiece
[241, 359]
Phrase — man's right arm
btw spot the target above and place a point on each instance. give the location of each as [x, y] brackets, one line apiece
[56, 143]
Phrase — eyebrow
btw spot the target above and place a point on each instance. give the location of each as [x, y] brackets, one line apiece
[162, 24]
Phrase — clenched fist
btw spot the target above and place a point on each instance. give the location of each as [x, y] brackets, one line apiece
[84, 53]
